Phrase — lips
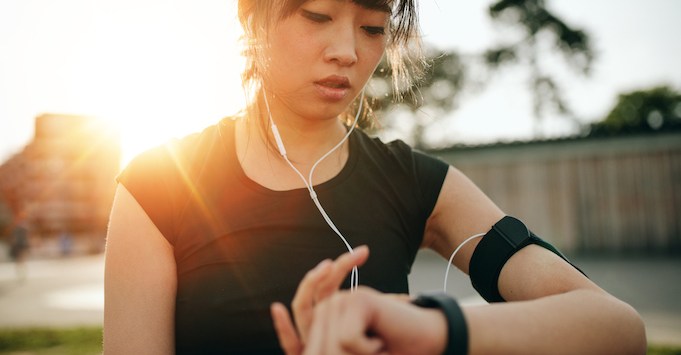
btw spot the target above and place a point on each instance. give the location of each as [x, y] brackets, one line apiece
[335, 81]
[333, 87]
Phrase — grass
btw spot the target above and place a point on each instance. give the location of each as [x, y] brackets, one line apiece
[51, 341]
[88, 341]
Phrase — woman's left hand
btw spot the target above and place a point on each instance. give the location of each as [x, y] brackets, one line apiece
[318, 284]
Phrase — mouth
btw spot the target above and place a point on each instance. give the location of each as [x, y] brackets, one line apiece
[335, 82]
[333, 88]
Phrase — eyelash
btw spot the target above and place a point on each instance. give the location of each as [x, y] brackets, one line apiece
[315, 17]
[374, 31]
[320, 18]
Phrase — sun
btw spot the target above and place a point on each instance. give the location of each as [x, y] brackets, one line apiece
[162, 77]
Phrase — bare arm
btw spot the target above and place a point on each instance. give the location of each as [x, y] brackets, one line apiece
[562, 310]
[139, 283]
[553, 308]
[580, 321]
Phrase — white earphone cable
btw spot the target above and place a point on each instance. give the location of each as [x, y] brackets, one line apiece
[354, 277]
[451, 258]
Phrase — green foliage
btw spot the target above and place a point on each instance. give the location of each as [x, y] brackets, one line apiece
[443, 81]
[651, 110]
[663, 350]
[451, 73]
[51, 341]
[533, 18]
[437, 92]
[538, 25]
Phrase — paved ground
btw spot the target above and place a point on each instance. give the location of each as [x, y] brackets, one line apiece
[68, 292]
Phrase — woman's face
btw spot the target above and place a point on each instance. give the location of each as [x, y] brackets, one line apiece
[320, 57]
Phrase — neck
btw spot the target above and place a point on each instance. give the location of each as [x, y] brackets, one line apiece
[305, 144]
[305, 139]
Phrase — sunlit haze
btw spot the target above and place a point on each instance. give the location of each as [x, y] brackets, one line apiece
[155, 69]
[159, 69]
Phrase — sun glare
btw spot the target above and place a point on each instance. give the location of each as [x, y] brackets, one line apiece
[168, 80]
[160, 77]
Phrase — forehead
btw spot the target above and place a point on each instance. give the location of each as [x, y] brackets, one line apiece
[379, 5]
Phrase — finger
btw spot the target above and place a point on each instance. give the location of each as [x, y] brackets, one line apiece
[317, 341]
[286, 332]
[352, 332]
[364, 345]
[321, 282]
[304, 299]
[346, 327]
[341, 267]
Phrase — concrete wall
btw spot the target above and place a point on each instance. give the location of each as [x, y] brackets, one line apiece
[609, 194]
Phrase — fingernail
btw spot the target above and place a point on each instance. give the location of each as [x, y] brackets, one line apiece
[322, 264]
[362, 248]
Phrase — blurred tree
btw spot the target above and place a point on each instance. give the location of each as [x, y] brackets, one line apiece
[430, 98]
[653, 110]
[541, 32]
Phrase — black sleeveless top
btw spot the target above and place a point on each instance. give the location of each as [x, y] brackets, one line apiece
[239, 246]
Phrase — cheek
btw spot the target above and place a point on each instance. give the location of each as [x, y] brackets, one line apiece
[289, 50]
[373, 55]
[280, 63]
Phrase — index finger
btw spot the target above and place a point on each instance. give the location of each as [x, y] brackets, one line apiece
[320, 282]
[340, 269]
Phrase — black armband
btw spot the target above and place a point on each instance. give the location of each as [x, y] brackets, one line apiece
[457, 330]
[497, 246]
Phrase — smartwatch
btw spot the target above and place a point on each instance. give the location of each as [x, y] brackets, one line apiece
[457, 330]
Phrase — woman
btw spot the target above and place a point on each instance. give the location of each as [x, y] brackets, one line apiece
[207, 231]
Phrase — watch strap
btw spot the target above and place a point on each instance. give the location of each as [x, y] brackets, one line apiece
[457, 330]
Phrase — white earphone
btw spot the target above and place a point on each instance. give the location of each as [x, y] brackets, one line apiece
[354, 277]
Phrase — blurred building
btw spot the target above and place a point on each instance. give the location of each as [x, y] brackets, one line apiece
[586, 194]
[63, 182]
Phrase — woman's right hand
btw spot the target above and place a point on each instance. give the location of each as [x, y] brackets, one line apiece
[366, 322]
[317, 285]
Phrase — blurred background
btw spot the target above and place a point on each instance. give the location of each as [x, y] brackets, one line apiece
[567, 113]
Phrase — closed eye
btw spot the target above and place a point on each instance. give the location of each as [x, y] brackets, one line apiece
[374, 30]
[315, 17]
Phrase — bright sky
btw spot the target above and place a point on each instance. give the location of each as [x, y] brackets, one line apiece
[160, 68]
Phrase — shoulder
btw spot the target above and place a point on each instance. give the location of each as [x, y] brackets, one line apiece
[161, 178]
[175, 154]
[400, 153]
[376, 145]
[184, 147]
[389, 155]
[161, 173]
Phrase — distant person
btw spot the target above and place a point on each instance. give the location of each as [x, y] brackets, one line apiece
[208, 230]
[65, 243]
[19, 247]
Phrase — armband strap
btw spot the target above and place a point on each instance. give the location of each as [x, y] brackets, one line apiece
[457, 330]
[497, 246]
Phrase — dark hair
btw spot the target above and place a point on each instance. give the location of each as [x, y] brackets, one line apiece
[403, 51]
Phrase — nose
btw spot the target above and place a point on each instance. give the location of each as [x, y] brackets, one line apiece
[342, 48]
